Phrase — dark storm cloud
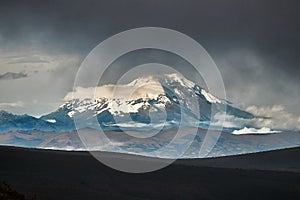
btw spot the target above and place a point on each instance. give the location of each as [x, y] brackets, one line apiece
[255, 44]
[215, 24]
[268, 27]
[12, 75]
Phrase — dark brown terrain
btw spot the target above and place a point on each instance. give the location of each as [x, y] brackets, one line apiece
[62, 175]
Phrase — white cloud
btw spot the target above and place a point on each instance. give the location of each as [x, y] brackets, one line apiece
[132, 90]
[246, 130]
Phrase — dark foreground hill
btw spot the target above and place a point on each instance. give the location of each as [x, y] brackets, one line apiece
[61, 175]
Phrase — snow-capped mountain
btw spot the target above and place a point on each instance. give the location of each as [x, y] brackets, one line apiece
[161, 102]
[157, 99]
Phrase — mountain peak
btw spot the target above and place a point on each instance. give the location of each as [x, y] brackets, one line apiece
[162, 78]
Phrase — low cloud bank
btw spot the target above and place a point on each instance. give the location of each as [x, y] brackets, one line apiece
[268, 119]
[275, 117]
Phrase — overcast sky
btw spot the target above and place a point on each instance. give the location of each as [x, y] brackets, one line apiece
[254, 43]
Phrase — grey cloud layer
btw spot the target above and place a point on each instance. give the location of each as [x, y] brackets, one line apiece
[12, 75]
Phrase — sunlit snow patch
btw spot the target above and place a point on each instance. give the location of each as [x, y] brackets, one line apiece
[51, 120]
[246, 130]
